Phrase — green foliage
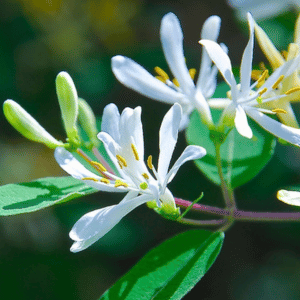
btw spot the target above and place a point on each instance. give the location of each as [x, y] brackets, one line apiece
[170, 270]
[242, 158]
[31, 196]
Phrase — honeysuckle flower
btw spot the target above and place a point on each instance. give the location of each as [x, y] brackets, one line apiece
[123, 140]
[276, 59]
[289, 197]
[245, 100]
[262, 9]
[182, 89]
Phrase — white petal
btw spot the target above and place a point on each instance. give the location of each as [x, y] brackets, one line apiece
[172, 43]
[168, 135]
[211, 28]
[246, 64]
[72, 166]
[190, 153]
[79, 246]
[222, 61]
[289, 197]
[219, 102]
[131, 127]
[289, 134]
[110, 121]
[137, 78]
[241, 123]
[100, 221]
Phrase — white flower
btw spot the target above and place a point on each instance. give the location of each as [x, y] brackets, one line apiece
[181, 90]
[245, 100]
[262, 9]
[289, 197]
[123, 140]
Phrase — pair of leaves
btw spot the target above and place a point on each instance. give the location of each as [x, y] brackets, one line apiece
[170, 270]
[242, 158]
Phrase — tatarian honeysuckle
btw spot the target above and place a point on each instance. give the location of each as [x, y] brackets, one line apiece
[276, 59]
[244, 99]
[182, 89]
[122, 136]
[262, 9]
[289, 197]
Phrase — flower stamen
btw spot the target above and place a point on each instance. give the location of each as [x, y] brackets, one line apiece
[105, 180]
[135, 153]
[275, 85]
[98, 166]
[149, 162]
[192, 73]
[145, 175]
[121, 160]
[89, 178]
[163, 76]
[175, 81]
[263, 77]
[279, 111]
[120, 183]
[262, 91]
[293, 90]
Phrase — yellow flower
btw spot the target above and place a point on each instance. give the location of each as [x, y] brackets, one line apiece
[276, 59]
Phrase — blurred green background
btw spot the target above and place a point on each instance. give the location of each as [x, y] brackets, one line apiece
[38, 39]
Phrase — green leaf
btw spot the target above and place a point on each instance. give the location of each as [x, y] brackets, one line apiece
[19, 198]
[242, 158]
[170, 270]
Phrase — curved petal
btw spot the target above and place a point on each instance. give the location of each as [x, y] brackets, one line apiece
[246, 64]
[289, 197]
[241, 123]
[72, 166]
[222, 61]
[100, 221]
[168, 135]
[289, 134]
[137, 78]
[172, 42]
[191, 152]
[211, 28]
[110, 121]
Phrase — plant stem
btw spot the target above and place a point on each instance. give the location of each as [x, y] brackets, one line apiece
[202, 222]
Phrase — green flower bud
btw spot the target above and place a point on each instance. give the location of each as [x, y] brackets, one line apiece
[23, 122]
[68, 101]
[87, 120]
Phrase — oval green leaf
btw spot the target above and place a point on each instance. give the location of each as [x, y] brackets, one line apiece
[19, 198]
[170, 270]
[242, 158]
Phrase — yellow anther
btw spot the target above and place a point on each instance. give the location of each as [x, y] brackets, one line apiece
[293, 90]
[275, 85]
[98, 166]
[279, 111]
[149, 162]
[263, 76]
[145, 175]
[175, 81]
[89, 178]
[105, 180]
[120, 183]
[192, 73]
[135, 153]
[160, 78]
[121, 160]
[256, 74]
[259, 100]
[284, 53]
[120, 165]
[162, 73]
[262, 91]
[144, 185]
[262, 66]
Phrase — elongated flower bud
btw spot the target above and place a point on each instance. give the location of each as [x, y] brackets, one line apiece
[23, 122]
[68, 101]
[87, 120]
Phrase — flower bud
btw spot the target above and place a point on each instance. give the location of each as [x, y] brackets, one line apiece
[23, 122]
[87, 120]
[68, 101]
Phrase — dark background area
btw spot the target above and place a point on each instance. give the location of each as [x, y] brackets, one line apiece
[38, 39]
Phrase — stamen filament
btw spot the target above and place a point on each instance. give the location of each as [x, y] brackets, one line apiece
[275, 85]
[135, 153]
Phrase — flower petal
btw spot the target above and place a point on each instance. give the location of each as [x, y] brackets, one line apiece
[110, 121]
[222, 61]
[190, 153]
[72, 166]
[100, 221]
[289, 134]
[137, 78]
[172, 42]
[246, 64]
[289, 197]
[168, 135]
[241, 123]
